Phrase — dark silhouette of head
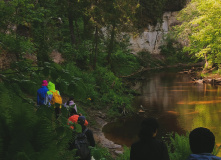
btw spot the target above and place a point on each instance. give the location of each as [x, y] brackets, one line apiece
[149, 127]
[201, 140]
[81, 120]
[70, 99]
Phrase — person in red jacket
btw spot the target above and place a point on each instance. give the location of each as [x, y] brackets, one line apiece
[74, 118]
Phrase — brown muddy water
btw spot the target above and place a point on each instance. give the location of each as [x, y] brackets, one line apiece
[177, 103]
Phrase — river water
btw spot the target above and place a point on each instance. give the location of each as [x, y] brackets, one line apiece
[177, 103]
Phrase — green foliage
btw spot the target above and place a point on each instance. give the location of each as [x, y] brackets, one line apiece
[112, 91]
[203, 74]
[172, 50]
[216, 150]
[151, 11]
[17, 18]
[125, 155]
[200, 29]
[171, 5]
[147, 60]
[80, 55]
[215, 71]
[38, 27]
[87, 83]
[16, 44]
[179, 148]
[100, 153]
[29, 134]
[67, 81]
[124, 63]
[99, 88]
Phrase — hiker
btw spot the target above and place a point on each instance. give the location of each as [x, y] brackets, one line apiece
[83, 139]
[202, 142]
[74, 118]
[148, 147]
[70, 104]
[41, 93]
[53, 98]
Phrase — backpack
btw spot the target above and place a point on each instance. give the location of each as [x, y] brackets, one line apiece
[56, 98]
[82, 145]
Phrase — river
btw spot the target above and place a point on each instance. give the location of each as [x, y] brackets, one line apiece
[177, 103]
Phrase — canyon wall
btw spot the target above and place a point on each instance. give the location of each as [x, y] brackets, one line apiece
[152, 37]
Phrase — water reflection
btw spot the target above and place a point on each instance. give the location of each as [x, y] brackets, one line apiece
[177, 103]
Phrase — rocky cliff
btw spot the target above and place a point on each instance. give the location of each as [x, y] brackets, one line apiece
[152, 37]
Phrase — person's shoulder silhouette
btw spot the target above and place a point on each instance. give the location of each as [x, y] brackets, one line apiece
[202, 142]
[148, 147]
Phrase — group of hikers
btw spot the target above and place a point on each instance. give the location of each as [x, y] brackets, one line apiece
[49, 96]
[82, 136]
[148, 147]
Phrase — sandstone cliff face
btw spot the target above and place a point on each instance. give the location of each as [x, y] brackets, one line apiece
[7, 58]
[152, 38]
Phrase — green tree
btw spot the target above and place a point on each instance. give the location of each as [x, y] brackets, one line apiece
[149, 12]
[119, 16]
[201, 30]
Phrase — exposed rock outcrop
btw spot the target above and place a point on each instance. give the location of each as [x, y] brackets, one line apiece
[100, 138]
[7, 58]
[152, 38]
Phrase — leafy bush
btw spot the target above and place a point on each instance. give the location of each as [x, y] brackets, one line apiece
[18, 45]
[124, 63]
[179, 148]
[200, 29]
[147, 60]
[100, 153]
[125, 155]
[86, 81]
[29, 134]
[80, 54]
[112, 90]
[172, 50]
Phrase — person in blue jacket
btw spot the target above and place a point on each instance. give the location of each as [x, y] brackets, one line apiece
[41, 93]
[202, 142]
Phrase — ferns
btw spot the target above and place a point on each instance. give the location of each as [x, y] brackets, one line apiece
[179, 148]
[29, 134]
[100, 153]
[125, 155]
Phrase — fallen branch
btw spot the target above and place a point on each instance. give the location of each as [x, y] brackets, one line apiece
[161, 67]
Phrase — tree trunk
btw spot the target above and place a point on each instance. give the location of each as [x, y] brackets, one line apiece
[206, 62]
[111, 44]
[71, 27]
[39, 37]
[96, 47]
[77, 30]
[87, 28]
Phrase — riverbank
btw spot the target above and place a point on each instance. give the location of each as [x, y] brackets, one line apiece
[198, 75]
[99, 120]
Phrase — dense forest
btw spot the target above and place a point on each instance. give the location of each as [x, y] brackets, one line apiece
[86, 34]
